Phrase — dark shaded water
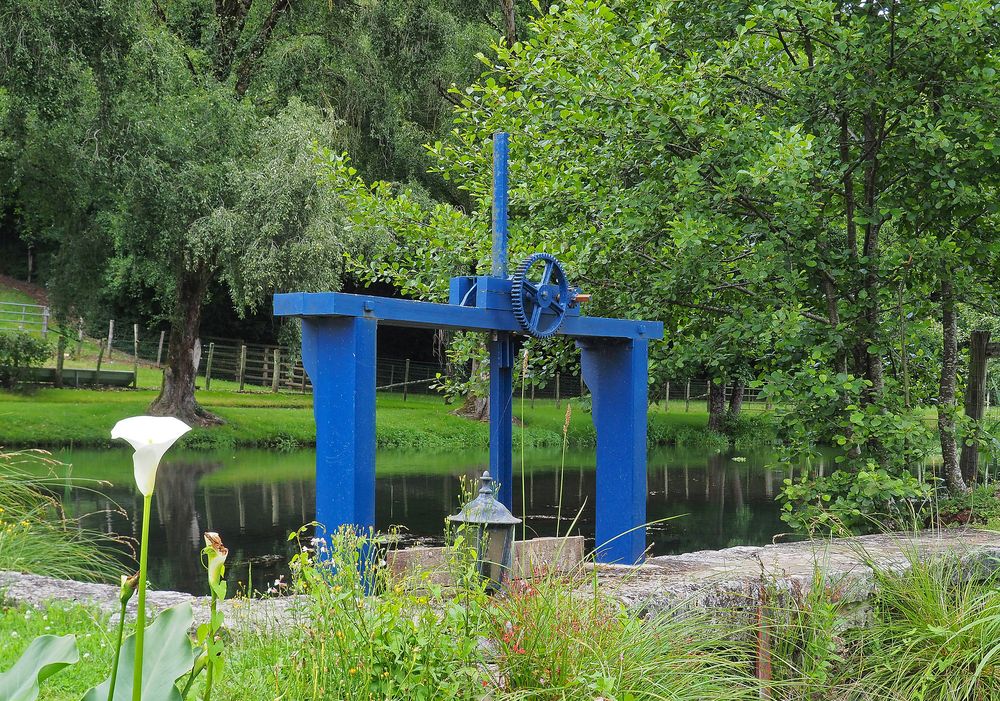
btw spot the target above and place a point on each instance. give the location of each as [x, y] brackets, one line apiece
[254, 499]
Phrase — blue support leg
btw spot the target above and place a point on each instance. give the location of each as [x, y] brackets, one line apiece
[501, 416]
[616, 374]
[339, 355]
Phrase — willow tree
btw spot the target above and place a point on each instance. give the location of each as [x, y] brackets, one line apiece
[162, 151]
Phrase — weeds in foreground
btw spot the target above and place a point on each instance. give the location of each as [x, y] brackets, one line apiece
[557, 637]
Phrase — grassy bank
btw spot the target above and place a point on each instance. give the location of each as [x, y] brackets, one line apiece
[83, 418]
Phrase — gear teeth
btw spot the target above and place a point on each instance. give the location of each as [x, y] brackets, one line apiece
[517, 294]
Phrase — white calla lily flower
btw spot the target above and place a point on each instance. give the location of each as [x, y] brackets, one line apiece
[151, 437]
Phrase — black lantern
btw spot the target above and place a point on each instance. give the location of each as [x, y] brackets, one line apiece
[492, 531]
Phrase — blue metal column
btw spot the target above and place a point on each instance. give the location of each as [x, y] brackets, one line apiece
[616, 372]
[501, 416]
[339, 355]
[500, 194]
[501, 346]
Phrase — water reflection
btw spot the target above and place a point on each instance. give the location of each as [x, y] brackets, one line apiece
[256, 498]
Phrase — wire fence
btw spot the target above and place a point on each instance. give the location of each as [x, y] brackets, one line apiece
[270, 367]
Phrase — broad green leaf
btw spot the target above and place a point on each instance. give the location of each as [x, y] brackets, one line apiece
[46, 655]
[167, 655]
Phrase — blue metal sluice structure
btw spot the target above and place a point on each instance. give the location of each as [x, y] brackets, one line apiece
[338, 351]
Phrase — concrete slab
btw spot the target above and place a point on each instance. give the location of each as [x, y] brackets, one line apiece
[738, 577]
[730, 579]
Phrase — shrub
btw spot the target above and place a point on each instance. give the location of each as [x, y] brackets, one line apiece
[18, 352]
[978, 506]
[843, 503]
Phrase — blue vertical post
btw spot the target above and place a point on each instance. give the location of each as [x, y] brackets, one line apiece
[616, 374]
[339, 355]
[501, 345]
[500, 189]
[501, 416]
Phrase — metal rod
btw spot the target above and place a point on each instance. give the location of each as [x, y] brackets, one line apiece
[500, 192]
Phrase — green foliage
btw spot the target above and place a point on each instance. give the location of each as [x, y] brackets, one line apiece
[556, 642]
[404, 643]
[18, 352]
[978, 506]
[934, 634]
[807, 651]
[847, 503]
[171, 657]
[47, 655]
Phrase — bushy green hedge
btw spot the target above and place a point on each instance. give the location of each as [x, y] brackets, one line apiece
[18, 352]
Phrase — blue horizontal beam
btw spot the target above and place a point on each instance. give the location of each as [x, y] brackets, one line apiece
[405, 312]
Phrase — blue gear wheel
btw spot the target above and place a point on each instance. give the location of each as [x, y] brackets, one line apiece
[548, 293]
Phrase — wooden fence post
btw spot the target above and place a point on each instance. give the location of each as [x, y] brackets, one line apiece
[406, 378]
[60, 357]
[558, 399]
[208, 366]
[276, 370]
[159, 349]
[135, 356]
[111, 334]
[666, 398]
[241, 371]
[45, 322]
[687, 397]
[79, 338]
[100, 357]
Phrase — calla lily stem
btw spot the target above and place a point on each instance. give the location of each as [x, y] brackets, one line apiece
[118, 651]
[140, 622]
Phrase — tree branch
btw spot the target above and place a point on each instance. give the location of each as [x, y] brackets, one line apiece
[245, 71]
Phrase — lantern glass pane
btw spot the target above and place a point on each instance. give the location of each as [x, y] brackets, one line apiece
[497, 553]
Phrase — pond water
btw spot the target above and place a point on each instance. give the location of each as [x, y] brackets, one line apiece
[254, 499]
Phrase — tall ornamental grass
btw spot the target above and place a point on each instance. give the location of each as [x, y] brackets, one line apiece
[934, 634]
[36, 534]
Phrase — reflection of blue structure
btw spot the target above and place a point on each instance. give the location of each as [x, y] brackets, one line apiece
[338, 350]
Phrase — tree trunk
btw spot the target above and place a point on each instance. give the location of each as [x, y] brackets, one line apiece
[476, 408]
[177, 393]
[716, 405]
[975, 402]
[736, 400]
[946, 393]
[509, 26]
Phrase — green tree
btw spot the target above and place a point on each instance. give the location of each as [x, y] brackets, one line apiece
[801, 187]
[163, 148]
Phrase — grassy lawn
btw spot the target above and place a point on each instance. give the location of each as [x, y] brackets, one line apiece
[51, 417]
[8, 294]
